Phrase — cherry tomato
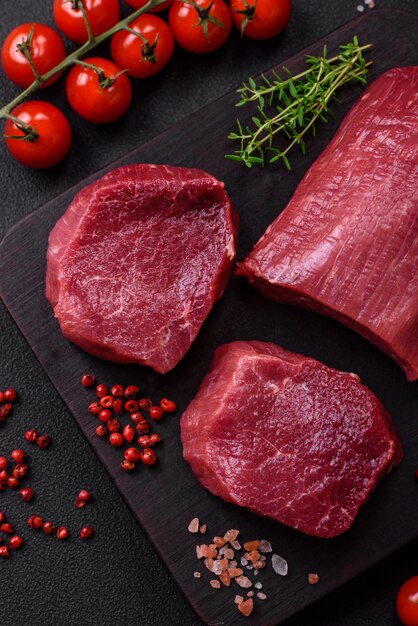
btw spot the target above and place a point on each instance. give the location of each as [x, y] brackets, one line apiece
[53, 129]
[407, 602]
[46, 48]
[261, 19]
[102, 14]
[139, 58]
[138, 4]
[189, 23]
[91, 98]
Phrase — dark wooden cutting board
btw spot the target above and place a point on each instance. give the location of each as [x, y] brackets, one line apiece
[165, 498]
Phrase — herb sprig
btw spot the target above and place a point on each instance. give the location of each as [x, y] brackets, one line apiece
[293, 106]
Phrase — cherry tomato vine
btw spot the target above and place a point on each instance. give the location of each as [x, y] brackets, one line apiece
[23, 130]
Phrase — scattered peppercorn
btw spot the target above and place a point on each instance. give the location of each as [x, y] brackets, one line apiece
[20, 471]
[131, 391]
[168, 406]
[117, 391]
[145, 404]
[128, 466]
[3, 476]
[106, 402]
[13, 482]
[16, 542]
[155, 439]
[136, 417]
[131, 406]
[118, 406]
[10, 395]
[105, 415]
[86, 532]
[4, 551]
[1, 397]
[26, 494]
[156, 412]
[48, 528]
[62, 532]
[95, 408]
[35, 521]
[31, 435]
[143, 427]
[144, 441]
[84, 495]
[87, 380]
[148, 456]
[132, 454]
[128, 433]
[101, 391]
[113, 425]
[18, 456]
[101, 431]
[1, 517]
[7, 528]
[116, 439]
[3, 463]
[5, 410]
[43, 441]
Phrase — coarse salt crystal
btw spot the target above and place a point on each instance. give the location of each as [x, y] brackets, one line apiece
[256, 572]
[238, 599]
[202, 529]
[231, 534]
[262, 596]
[313, 579]
[250, 594]
[279, 565]
[233, 563]
[215, 584]
[235, 571]
[360, 8]
[199, 552]
[265, 546]
[194, 525]
[246, 607]
[229, 554]
[243, 581]
[258, 586]
[209, 564]
[235, 544]
[217, 568]
[244, 561]
[197, 574]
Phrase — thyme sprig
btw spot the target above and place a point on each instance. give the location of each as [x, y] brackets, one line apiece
[294, 105]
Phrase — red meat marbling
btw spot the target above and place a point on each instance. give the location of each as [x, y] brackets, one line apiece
[136, 263]
[288, 437]
[347, 243]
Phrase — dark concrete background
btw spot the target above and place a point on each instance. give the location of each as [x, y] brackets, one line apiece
[117, 579]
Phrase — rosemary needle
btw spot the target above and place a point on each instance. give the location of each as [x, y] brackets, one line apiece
[293, 106]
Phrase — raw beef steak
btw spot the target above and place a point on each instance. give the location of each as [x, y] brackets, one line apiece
[347, 243]
[288, 437]
[137, 261]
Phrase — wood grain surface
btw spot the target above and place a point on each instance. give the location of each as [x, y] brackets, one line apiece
[164, 498]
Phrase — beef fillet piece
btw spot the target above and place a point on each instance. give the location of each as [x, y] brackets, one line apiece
[288, 437]
[138, 260]
[346, 245]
